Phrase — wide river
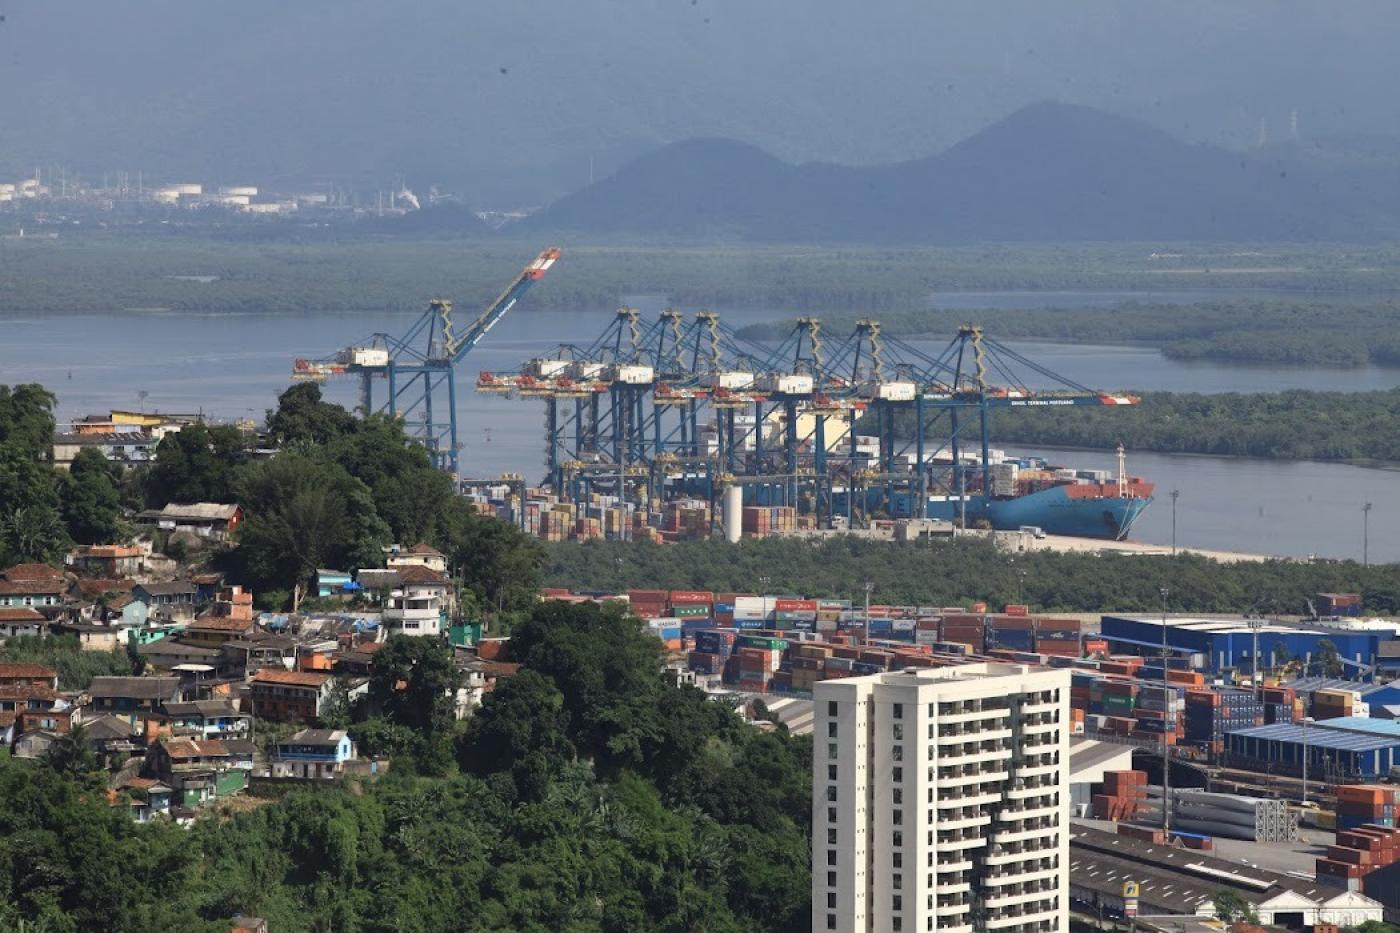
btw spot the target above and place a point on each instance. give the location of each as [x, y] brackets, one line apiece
[232, 365]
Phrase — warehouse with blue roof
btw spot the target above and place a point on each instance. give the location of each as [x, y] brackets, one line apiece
[1216, 645]
[1349, 747]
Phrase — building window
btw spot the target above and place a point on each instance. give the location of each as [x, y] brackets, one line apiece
[898, 904]
[831, 836]
[899, 860]
[831, 772]
[896, 923]
[831, 730]
[831, 901]
[897, 753]
[899, 732]
[831, 921]
[831, 856]
[831, 879]
[831, 814]
[897, 775]
[897, 839]
[899, 711]
[897, 881]
[897, 796]
[831, 793]
[831, 708]
[898, 817]
[831, 751]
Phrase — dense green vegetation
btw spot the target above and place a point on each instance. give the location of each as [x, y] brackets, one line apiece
[1296, 425]
[341, 271]
[63, 653]
[43, 511]
[1324, 333]
[958, 573]
[586, 795]
[340, 491]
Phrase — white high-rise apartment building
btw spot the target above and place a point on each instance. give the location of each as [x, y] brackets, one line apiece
[941, 801]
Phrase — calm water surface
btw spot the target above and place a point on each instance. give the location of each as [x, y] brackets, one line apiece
[234, 365]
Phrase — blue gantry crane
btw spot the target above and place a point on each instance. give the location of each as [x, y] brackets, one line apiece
[419, 366]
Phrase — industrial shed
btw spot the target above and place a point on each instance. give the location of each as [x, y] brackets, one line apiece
[1224, 644]
[1348, 747]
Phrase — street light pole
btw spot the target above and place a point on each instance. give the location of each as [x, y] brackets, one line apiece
[869, 586]
[1305, 759]
[1166, 700]
[1366, 535]
[1175, 494]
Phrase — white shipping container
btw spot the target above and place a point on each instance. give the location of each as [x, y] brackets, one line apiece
[733, 379]
[586, 370]
[633, 374]
[786, 384]
[548, 369]
[889, 391]
[365, 356]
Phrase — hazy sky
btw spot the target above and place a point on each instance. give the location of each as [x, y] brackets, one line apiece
[506, 101]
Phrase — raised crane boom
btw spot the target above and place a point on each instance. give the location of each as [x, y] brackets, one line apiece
[455, 347]
[422, 361]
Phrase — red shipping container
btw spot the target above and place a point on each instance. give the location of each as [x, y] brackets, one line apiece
[691, 597]
[799, 605]
[1018, 610]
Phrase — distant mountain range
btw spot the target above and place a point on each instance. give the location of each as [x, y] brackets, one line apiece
[1049, 172]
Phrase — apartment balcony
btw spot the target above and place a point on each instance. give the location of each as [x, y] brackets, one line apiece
[965, 716]
[960, 776]
[1020, 918]
[958, 845]
[942, 910]
[1006, 851]
[945, 886]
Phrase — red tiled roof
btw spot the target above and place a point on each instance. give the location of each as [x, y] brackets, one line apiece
[52, 585]
[20, 572]
[107, 550]
[213, 623]
[195, 748]
[424, 550]
[27, 692]
[23, 671]
[270, 675]
[417, 574]
[98, 587]
[19, 614]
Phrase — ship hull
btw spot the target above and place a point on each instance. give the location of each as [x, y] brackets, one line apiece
[1060, 510]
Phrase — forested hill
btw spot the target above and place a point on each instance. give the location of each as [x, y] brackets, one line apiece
[1094, 176]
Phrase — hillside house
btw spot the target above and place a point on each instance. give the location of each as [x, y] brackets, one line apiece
[212, 520]
[32, 586]
[289, 696]
[121, 447]
[419, 603]
[313, 754]
[178, 593]
[334, 583]
[93, 637]
[198, 770]
[105, 561]
[208, 719]
[132, 698]
[419, 555]
[17, 622]
[147, 798]
[30, 675]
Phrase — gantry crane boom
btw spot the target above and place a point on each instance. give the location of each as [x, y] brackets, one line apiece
[422, 361]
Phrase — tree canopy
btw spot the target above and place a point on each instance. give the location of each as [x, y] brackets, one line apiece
[668, 814]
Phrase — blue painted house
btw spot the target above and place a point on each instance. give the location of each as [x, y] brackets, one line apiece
[313, 754]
